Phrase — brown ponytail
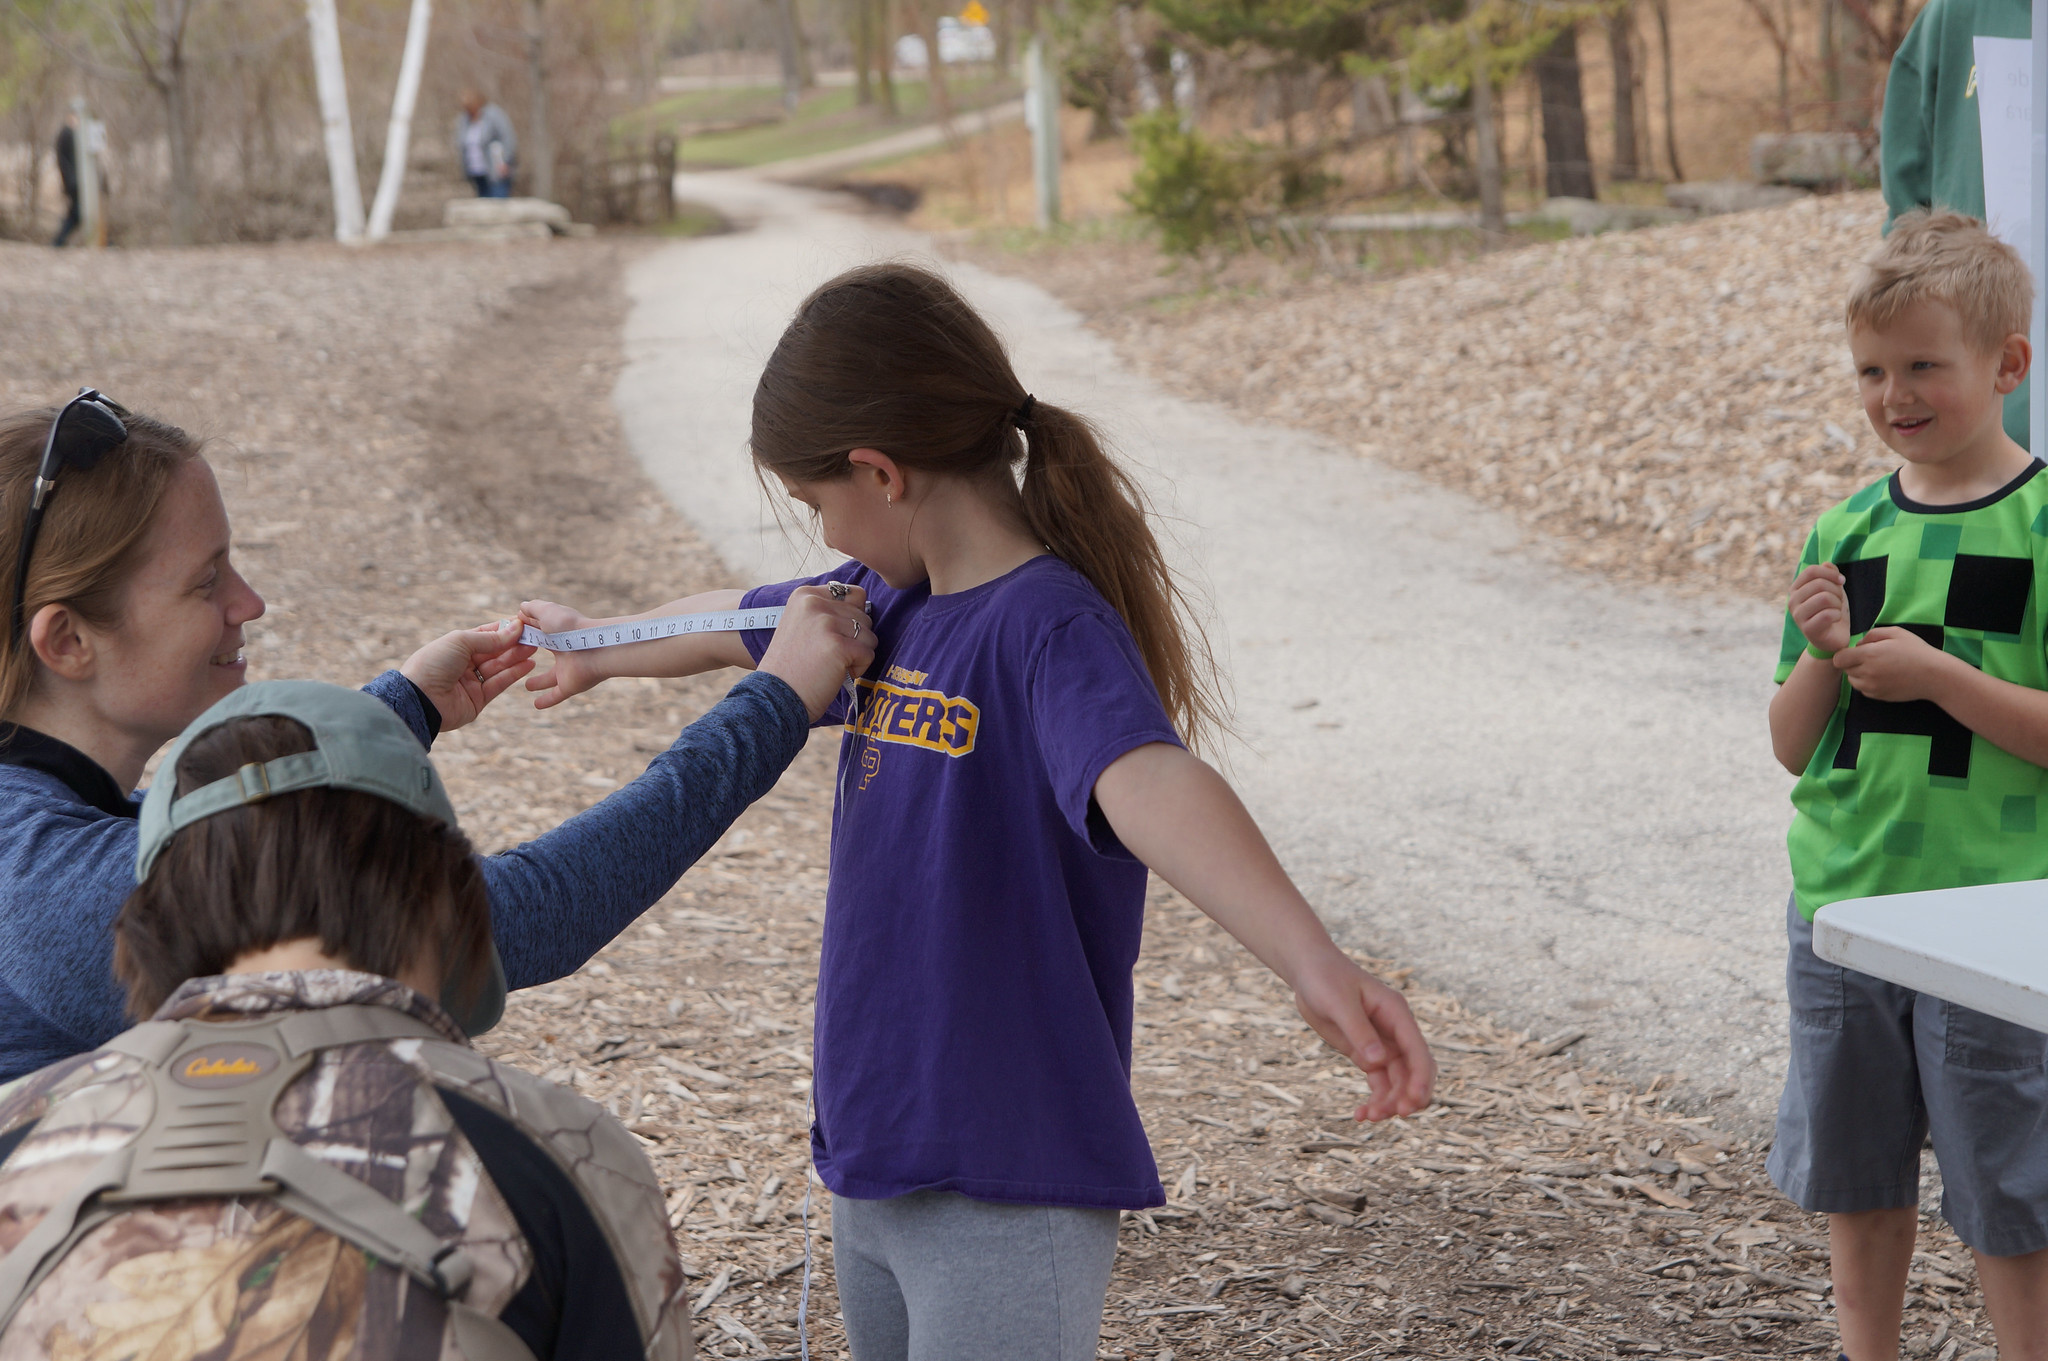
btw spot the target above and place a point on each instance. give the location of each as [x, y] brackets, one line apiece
[890, 357]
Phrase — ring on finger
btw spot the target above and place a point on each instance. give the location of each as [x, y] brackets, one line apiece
[478, 672]
[838, 589]
[856, 628]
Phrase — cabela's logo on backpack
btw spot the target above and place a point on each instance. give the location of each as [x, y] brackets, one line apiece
[224, 1065]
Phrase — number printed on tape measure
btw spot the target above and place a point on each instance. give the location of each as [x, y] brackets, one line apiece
[651, 630]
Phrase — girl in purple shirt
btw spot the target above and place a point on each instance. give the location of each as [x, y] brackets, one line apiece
[1013, 766]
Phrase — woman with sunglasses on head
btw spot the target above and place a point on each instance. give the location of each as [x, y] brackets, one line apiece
[131, 626]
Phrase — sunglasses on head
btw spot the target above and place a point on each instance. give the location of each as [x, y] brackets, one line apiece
[89, 427]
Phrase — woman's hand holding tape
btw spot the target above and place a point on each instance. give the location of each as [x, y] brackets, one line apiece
[461, 672]
[822, 642]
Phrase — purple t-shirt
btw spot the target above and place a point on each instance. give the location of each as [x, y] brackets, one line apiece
[974, 993]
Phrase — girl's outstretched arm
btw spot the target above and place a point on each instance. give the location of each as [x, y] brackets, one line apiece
[817, 623]
[1180, 817]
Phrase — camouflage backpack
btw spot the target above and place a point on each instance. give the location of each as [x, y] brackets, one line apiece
[177, 1116]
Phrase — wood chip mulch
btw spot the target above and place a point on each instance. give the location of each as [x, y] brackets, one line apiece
[1674, 404]
[415, 439]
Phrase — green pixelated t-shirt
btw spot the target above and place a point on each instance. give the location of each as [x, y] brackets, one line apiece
[1901, 797]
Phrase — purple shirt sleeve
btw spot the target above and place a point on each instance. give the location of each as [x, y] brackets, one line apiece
[1092, 700]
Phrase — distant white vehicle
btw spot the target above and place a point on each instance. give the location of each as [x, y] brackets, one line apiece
[958, 42]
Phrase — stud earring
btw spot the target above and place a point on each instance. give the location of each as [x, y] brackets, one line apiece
[889, 498]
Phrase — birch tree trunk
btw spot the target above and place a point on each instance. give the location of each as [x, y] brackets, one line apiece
[331, 82]
[398, 140]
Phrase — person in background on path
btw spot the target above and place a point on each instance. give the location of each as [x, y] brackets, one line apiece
[1913, 707]
[485, 145]
[1931, 153]
[133, 617]
[67, 171]
[1013, 763]
[426, 1201]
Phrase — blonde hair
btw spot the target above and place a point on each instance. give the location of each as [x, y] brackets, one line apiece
[1945, 257]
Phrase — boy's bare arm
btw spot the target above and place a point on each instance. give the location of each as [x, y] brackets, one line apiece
[1801, 709]
[1893, 664]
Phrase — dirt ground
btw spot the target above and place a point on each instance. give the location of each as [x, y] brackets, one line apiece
[416, 438]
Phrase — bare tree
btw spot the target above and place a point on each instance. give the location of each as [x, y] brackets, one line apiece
[398, 138]
[1567, 158]
[540, 142]
[1662, 9]
[1493, 220]
[1621, 47]
[1778, 27]
[1886, 25]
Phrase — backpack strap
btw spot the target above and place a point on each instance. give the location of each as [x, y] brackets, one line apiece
[213, 1133]
[69, 1220]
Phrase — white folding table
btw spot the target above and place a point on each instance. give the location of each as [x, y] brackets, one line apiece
[1985, 948]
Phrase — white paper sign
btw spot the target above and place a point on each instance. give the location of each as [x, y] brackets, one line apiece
[2005, 116]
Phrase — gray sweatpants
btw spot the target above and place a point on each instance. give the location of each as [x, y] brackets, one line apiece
[935, 1276]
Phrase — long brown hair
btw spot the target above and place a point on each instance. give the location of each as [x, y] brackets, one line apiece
[376, 884]
[93, 527]
[890, 357]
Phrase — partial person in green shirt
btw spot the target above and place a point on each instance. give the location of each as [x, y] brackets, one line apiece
[1931, 154]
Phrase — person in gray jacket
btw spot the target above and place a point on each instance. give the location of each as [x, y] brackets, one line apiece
[486, 146]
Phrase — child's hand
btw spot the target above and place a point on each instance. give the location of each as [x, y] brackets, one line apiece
[1895, 664]
[570, 673]
[823, 641]
[1370, 1024]
[461, 672]
[1820, 607]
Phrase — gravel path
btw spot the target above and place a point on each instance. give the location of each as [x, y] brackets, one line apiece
[413, 439]
[1552, 795]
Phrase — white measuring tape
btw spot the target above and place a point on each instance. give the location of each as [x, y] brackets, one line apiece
[649, 630]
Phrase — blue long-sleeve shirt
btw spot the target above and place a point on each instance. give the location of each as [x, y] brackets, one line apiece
[67, 860]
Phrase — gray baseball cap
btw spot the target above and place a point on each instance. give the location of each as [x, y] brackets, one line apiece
[358, 744]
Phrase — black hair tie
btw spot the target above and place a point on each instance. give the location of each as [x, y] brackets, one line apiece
[1021, 417]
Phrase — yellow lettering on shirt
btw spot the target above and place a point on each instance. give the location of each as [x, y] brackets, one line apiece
[911, 717]
[1970, 90]
[904, 676]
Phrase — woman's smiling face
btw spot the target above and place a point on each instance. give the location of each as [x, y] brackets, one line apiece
[178, 646]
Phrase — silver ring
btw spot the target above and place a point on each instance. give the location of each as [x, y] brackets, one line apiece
[856, 628]
[838, 589]
[478, 672]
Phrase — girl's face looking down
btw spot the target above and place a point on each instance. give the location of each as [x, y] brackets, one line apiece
[866, 515]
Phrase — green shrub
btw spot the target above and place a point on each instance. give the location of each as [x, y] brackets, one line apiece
[1191, 189]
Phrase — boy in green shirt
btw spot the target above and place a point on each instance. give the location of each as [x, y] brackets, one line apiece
[1932, 153]
[1913, 707]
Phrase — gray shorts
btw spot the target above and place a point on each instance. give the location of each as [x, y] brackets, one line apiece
[1875, 1069]
[935, 1276]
